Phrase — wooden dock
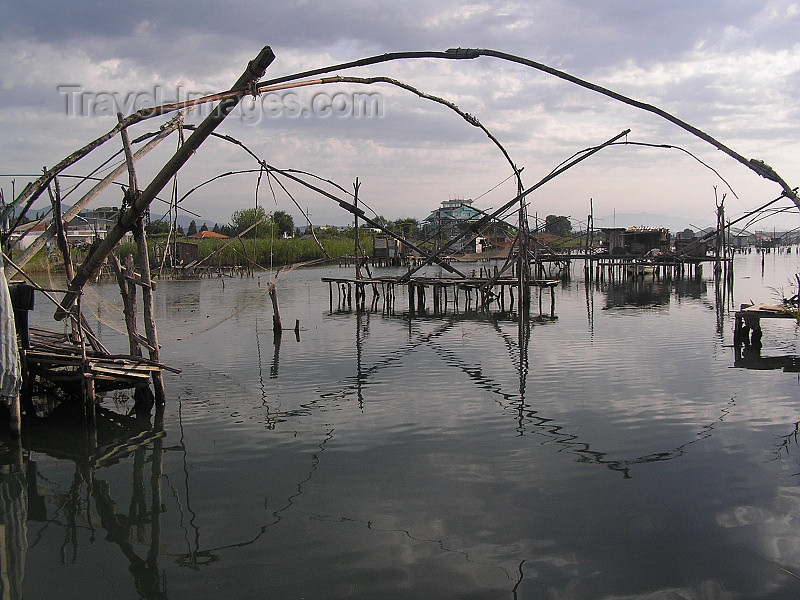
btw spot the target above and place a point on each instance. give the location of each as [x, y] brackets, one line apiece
[53, 356]
[747, 328]
[478, 293]
[72, 363]
[620, 267]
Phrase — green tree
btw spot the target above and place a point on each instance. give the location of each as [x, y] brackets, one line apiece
[156, 227]
[204, 227]
[557, 225]
[242, 219]
[192, 228]
[283, 221]
[406, 227]
[380, 220]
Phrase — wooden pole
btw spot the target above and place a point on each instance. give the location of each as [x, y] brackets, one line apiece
[357, 241]
[147, 309]
[128, 306]
[26, 255]
[61, 236]
[277, 326]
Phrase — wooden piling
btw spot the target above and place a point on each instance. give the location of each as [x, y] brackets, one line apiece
[277, 326]
[148, 313]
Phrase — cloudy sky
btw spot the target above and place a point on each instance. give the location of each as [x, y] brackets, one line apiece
[730, 68]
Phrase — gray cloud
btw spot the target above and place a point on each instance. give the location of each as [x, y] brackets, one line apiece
[732, 68]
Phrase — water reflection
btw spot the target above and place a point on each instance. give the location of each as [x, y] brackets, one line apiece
[198, 556]
[397, 456]
[749, 357]
[648, 292]
[14, 514]
[92, 445]
[529, 420]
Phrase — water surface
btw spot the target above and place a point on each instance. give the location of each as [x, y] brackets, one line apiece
[614, 452]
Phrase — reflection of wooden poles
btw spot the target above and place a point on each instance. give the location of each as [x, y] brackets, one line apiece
[156, 506]
[95, 260]
[276, 356]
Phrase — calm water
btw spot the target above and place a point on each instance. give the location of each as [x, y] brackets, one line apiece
[615, 452]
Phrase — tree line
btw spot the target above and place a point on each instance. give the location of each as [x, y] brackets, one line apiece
[249, 222]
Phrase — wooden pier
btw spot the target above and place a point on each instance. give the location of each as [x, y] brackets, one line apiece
[478, 293]
[53, 357]
[747, 329]
[72, 363]
[616, 267]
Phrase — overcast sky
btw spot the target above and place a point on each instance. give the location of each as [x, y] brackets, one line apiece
[731, 69]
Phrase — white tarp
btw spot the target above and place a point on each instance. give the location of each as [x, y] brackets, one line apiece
[10, 374]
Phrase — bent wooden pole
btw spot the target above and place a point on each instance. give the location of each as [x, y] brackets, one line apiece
[91, 266]
[46, 235]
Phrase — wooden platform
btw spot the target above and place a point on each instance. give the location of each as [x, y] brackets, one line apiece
[478, 290]
[51, 355]
[747, 328]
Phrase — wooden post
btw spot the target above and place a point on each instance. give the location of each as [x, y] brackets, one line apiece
[61, 236]
[277, 326]
[15, 415]
[540, 301]
[128, 305]
[147, 308]
[357, 241]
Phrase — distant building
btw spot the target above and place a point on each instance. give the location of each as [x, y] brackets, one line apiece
[452, 213]
[386, 250]
[93, 223]
[84, 228]
[635, 241]
[454, 217]
[25, 234]
[203, 235]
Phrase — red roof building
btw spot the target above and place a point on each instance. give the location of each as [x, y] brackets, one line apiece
[202, 235]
